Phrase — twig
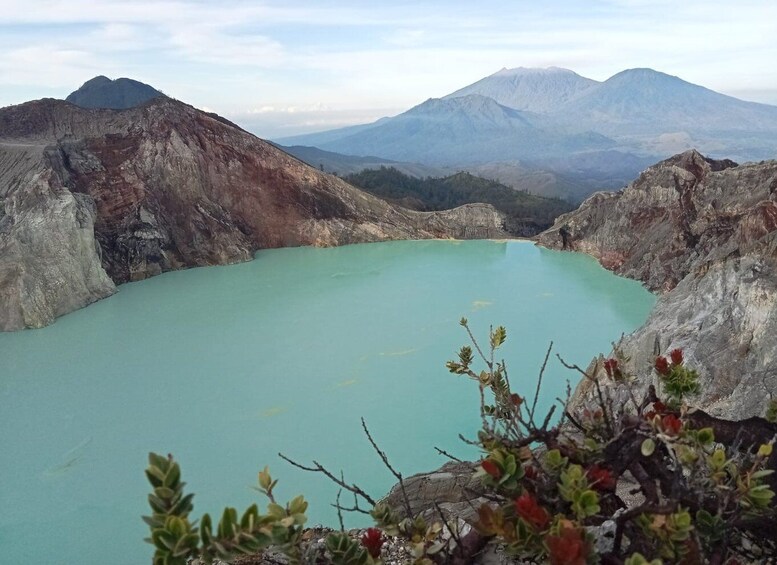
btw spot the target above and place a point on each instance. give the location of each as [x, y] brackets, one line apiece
[477, 346]
[453, 532]
[356, 490]
[602, 403]
[339, 508]
[547, 418]
[574, 422]
[394, 472]
[469, 441]
[539, 384]
[448, 455]
[354, 508]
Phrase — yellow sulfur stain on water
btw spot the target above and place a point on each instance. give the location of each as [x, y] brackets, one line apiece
[349, 382]
[479, 304]
[399, 353]
[274, 411]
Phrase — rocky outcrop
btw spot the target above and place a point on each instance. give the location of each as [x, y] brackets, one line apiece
[702, 233]
[453, 488]
[94, 198]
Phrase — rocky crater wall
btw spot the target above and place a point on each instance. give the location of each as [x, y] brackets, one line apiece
[703, 234]
[93, 198]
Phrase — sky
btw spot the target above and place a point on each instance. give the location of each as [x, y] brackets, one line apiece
[287, 67]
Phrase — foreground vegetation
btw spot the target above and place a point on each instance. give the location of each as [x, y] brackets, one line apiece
[622, 480]
[527, 214]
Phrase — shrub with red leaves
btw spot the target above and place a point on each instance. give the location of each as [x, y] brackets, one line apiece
[373, 541]
[567, 548]
[600, 477]
[535, 515]
[671, 424]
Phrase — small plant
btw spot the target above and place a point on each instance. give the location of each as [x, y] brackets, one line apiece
[176, 540]
[677, 379]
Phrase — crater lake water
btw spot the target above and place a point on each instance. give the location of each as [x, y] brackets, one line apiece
[226, 366]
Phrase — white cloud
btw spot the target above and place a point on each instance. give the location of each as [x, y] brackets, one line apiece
[212, 43]
[291, 56]
[48, 66]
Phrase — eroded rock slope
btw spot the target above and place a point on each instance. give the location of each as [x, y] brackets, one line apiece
[92, 198]
[703, 234]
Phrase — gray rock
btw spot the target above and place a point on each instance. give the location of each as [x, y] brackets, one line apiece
[452, 487]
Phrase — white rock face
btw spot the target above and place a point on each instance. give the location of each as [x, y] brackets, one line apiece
[49, 260]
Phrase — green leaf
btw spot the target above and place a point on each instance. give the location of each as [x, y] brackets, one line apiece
[705, 436]
[648, 447]
[265, 479]
[298, 505]
[498, 337]
[761, 474]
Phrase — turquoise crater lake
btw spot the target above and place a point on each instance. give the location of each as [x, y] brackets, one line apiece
[226, 366]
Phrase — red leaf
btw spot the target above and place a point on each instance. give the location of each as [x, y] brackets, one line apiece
[601, 478]
[677, 356]
[671, 424]
[373, 541]
[491, 468]
[527, 508]
[567, 548]
[662, 365]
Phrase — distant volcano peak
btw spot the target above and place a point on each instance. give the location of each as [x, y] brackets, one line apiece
[119, 94]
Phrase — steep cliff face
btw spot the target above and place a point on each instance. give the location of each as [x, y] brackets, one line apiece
[703, 233]
[89, 198]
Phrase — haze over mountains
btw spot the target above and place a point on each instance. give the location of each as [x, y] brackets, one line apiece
[537, 119]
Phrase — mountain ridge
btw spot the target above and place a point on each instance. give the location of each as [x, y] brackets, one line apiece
[529, 89]
[640, 112]
[443, 131]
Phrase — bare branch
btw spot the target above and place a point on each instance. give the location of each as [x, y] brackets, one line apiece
[394, 472]
[339, 508]
[476, 344]
[448, 455]
[539, 384]
[318, 468]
